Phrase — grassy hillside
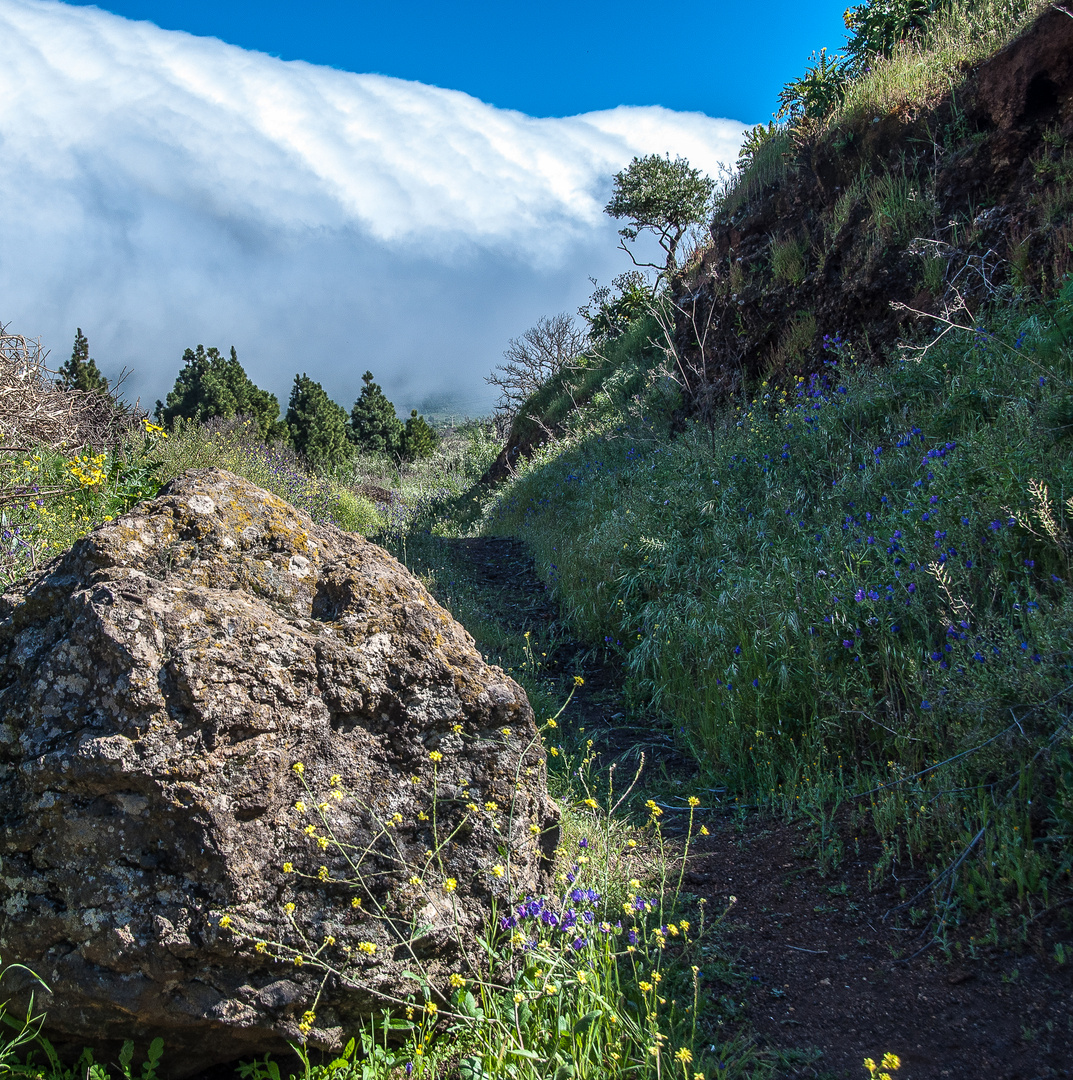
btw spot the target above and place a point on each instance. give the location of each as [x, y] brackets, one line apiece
[845, 584]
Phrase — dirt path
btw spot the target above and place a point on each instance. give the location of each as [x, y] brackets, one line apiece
[819, 969]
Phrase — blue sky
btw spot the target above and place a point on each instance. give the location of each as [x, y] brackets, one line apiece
[331, 187]
[546, 59]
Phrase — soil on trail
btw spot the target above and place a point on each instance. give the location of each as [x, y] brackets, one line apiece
[821, 963]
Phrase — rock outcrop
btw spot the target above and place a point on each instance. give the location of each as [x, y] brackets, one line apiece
[213, 708]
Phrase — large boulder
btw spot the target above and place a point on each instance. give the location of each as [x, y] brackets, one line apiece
[213, 708]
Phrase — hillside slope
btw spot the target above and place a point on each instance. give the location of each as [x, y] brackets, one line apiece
[936, 204]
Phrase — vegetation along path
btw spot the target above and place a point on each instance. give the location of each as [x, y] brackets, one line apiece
[813, 960]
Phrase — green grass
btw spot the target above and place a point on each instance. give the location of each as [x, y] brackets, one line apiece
[863, 576]
[768, 164]
[602, 379]
[899, 208]
[921, 71]
[788, 260]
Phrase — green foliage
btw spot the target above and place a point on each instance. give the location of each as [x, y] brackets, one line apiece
[210, 386]
[80, 372]
[86, 1067]
[898, 207]
[815, 94]
[17, 1031]
[756, 138]
[374, 427]
[418, 439]
[595, 980]
[877, 27]
[864, 575]
[52, 499]
[921, 69]
[788, 259]
[316, 425]
[611, 311]
[355, 513]
[663, 197]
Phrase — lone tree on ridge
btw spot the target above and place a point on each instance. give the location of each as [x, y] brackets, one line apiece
[663, 197]
[531, 360]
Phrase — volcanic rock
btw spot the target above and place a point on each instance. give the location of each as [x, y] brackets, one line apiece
[213, 708]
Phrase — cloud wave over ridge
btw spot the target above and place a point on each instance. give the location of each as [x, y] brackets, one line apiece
[161, 189]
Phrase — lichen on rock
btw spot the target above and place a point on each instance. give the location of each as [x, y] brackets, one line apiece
[159, 683]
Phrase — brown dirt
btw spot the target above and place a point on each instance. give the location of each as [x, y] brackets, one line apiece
[824, 969]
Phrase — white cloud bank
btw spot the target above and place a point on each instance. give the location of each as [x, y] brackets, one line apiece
[160, 190]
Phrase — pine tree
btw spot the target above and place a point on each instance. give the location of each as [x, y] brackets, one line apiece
[418, 440]
[211, 385]
[373, 423]
[317, 425]
[80, 372]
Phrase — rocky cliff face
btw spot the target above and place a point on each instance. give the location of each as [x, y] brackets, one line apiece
[212, 709]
